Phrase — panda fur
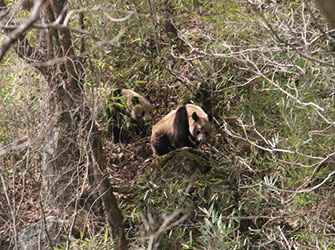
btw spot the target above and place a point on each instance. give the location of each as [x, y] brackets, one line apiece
[124, 103]
[186, 126]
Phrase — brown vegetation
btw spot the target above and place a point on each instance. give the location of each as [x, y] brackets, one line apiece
[265, 70]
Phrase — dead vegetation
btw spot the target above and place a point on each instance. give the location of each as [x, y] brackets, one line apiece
[265, 70]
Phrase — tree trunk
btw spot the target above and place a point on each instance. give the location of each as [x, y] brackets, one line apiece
[328, 9]
[66, 117]
[113, 214]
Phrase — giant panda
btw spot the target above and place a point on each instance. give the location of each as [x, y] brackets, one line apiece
[124, 104]
[186, 126]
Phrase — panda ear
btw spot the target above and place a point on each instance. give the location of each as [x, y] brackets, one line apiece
[135, 100]
[195, 116]
[210, 116]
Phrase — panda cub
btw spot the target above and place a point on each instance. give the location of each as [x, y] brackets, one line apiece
[186, 126]
[123, 103]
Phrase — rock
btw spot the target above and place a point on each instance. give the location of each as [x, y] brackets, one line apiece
[40, 235]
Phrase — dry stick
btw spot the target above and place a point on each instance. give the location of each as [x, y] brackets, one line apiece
[44, 221]
[12, 210]
[165, 225]
[299, 190]
[75, 212]
[106, 188]
[292, 47]
[15, 34]
[56, 25]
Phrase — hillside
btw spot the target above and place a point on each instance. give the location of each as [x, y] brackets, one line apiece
[263, 68]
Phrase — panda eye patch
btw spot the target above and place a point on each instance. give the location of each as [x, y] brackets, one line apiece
[197, 132]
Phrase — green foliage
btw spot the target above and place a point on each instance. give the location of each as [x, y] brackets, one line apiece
[19, 102]
[217, 232]
[266, 73]
[101, 241]
[165, 190]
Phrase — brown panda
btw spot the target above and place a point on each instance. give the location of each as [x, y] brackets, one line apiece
[186, 126]
[123, 103]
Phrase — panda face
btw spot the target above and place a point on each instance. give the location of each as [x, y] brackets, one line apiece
[201, 131]
[138, 107]
[141, 109]
[147, 115]
[200, 128]
[141, 113]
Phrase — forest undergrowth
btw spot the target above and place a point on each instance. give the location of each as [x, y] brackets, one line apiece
[263, 68]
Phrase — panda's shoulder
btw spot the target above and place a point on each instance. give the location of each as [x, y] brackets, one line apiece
[166, 121]
[129, 92]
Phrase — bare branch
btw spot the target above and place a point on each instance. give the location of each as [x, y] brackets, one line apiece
[15, 34]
